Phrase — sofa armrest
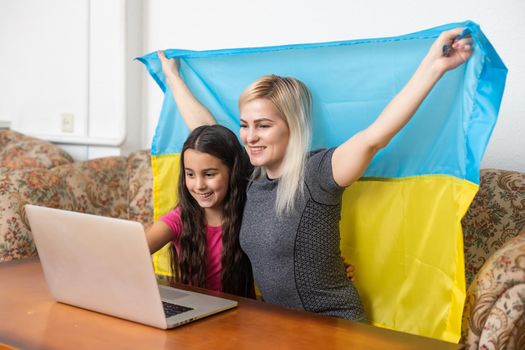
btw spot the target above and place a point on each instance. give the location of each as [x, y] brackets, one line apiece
[18, 151]
[494, 315]
[496, 215]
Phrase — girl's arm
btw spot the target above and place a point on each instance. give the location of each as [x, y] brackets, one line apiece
[158, 236]
[192, 111]
[351, 159]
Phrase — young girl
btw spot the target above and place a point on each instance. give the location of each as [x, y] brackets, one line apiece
[204, 227]
[290, 228]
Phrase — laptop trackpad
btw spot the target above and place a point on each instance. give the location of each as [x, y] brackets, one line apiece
[168, 293]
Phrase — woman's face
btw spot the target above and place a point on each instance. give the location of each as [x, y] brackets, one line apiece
[265, 135]
[206, 177]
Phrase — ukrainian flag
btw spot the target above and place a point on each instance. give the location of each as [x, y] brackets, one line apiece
[400, 223]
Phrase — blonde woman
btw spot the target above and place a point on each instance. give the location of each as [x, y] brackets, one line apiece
[290, 225]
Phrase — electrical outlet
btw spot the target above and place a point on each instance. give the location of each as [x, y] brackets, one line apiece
[68, 122]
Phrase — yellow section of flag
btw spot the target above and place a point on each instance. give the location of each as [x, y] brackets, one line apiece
[405, 239]
[165, 169]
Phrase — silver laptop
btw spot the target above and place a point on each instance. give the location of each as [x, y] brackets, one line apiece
[103, 264]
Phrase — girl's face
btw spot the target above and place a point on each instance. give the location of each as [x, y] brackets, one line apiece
[206, 178]
[265, 135]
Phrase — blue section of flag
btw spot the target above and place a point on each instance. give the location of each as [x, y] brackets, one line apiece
[351, 82]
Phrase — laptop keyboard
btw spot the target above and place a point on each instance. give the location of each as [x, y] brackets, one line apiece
[174, 309]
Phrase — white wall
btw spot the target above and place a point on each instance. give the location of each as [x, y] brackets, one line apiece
[72, 59]
[76, 56]
[43, 70]
[211, 24]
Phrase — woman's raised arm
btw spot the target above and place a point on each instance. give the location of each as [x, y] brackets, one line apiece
[192, 111]
[351, 159]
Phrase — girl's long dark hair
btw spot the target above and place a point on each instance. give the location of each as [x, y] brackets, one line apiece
[189, 266]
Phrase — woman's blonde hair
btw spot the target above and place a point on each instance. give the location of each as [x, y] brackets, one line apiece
[293, 101]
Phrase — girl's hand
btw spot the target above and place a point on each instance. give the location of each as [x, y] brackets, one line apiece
[170, 66]
[460, 52]
[350, 270]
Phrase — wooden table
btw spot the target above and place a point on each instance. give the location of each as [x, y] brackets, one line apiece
[31, 319]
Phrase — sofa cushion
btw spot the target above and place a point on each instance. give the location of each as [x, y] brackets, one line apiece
[496, 215]
[140, 188]
[98, 186]
[18, 151]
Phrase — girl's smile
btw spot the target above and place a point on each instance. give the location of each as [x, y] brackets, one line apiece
[206, 179]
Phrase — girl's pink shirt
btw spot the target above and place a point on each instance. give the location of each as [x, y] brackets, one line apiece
[213, 247]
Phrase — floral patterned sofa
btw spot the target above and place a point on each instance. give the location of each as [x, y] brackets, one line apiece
[494, 240]
[34, 171]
